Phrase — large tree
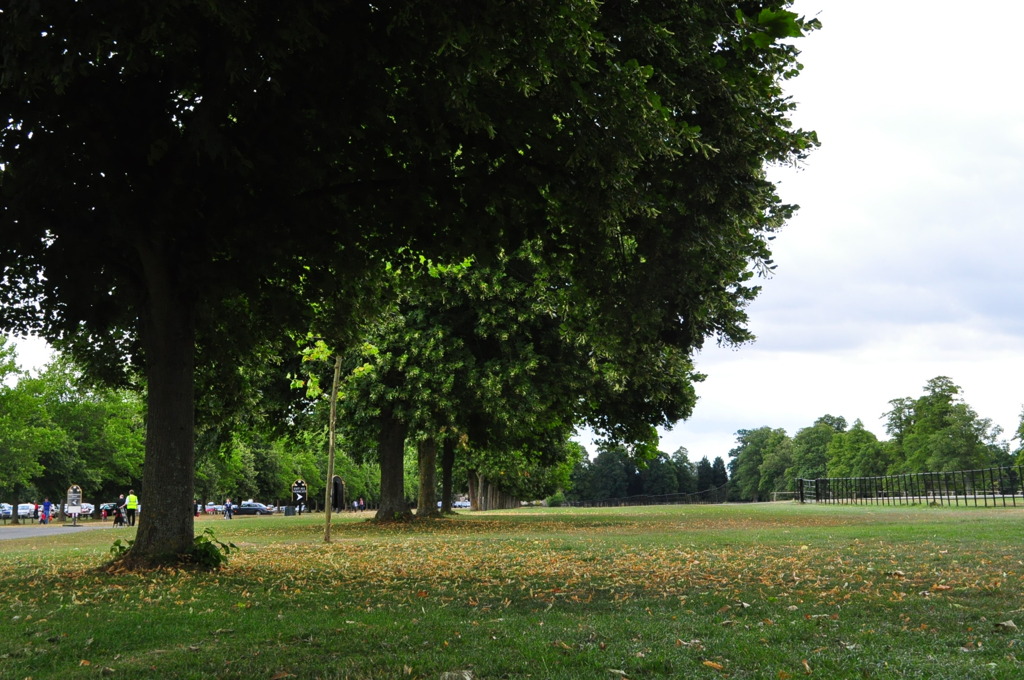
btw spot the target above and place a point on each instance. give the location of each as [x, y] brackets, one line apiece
[26, 431]
[177, 178]
[751, 477]
[940, 432]
[810, 447]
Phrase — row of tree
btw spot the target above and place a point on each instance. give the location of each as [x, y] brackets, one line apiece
[190, 190]
[60, 428]
[935, 432]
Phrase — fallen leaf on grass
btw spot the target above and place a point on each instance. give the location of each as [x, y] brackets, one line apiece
[280, 675]
[85, 662]
[716, 666]
[1006, 625]
[457, 675]
[693, 644]
[807, 666]
[939, 587]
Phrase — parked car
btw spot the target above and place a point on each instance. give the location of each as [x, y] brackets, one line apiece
[460, 504]
[26, 509]
[213, 508]
[251, 508]
[6, 510]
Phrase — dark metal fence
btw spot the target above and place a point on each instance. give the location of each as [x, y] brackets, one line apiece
[716, 495]
[991, 487]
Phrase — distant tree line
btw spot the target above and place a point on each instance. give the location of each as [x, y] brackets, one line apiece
[935, 432]
[614, 474]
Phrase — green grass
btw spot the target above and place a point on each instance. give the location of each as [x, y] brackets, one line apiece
[740, 591]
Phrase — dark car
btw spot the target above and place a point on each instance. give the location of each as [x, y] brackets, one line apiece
[250, 508]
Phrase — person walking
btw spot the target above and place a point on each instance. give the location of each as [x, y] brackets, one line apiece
[229, 510]
[44, 517]
[131, 504]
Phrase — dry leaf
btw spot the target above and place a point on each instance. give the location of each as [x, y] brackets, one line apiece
[807, 666]
[1006, 625]
[716, 666]
[281, 674]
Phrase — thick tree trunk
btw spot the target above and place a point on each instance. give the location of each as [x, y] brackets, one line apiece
[447, 465]
[426, 504]
[167, 329]
[391, 449]
[15, 519]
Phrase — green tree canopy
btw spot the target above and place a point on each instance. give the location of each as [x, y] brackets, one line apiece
[102, 433]
[856, 453]
[26, 431]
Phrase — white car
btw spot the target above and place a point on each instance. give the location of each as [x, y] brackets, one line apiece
[26, 509]
[6, 510]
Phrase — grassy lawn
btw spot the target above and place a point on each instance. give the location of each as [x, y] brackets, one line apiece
[741, 591]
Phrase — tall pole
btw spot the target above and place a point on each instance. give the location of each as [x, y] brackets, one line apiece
[332, 439]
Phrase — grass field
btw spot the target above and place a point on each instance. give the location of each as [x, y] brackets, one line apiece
[739, 591]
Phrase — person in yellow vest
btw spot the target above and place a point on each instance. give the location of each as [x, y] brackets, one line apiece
[131, 504]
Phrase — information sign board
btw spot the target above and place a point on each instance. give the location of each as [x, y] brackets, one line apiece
[299, 496]
[74, 500]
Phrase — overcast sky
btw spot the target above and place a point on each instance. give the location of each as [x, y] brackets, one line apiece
[905, 260]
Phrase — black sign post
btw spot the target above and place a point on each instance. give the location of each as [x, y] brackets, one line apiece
[74, 503]
[299, 495]
[338, 494]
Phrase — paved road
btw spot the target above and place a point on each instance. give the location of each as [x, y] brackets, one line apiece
[35, 529]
